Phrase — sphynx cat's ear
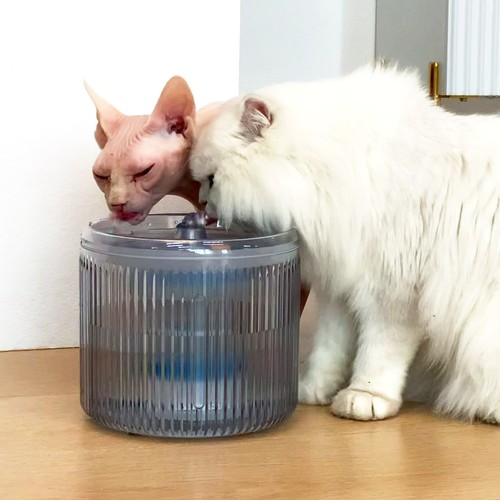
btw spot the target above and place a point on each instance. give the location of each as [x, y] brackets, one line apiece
[107, 117]
[255, 118]
[175, 109]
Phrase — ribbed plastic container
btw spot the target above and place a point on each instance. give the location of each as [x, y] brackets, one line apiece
[188, 338]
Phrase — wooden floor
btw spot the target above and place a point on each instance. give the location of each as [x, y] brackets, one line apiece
[49, 449]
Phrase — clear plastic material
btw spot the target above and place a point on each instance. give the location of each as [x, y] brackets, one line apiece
[188, 338]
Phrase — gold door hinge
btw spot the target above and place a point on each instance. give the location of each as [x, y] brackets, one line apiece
[434, 86]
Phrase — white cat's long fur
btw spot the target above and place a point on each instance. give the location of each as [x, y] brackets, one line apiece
[397, 205]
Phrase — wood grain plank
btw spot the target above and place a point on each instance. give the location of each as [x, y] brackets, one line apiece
[49, 449]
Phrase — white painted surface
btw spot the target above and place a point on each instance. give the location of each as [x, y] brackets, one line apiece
[358, 34]
[473, 47]
[413, 33]
[283, 40]
[127, 50]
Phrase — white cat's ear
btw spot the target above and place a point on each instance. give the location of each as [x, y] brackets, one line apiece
[255, 118]
[107, 117]
[175, 109]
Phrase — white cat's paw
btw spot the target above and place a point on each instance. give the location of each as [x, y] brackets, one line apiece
[363, 405]
[315, 391]
[493, 418]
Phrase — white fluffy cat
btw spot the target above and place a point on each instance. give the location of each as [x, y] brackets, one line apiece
[397, 205]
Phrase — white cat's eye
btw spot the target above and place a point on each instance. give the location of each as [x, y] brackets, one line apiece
[145, 171]
[211, 180]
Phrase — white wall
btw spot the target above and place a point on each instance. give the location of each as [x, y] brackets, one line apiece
[127, 50]
[285, 40]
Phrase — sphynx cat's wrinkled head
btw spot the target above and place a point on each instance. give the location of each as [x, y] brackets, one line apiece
[143, 158]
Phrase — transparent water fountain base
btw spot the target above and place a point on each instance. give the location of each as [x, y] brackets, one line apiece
[188, 337]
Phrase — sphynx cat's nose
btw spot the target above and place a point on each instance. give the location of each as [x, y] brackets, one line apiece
[117, 206]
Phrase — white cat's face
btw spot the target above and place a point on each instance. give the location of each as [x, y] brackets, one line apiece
[207, 159]
[241, 177]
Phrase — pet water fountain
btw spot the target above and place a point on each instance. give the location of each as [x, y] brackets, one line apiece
[188, 330]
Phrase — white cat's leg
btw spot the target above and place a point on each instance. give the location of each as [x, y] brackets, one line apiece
[330, 360]
[493, 418]
[471, 392]
[472, 387]
[472, 395]
[384, 354]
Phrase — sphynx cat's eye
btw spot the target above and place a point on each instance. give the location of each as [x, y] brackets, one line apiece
[145, 171]
[210, 180]
[101, 177]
